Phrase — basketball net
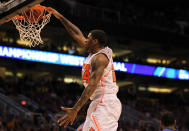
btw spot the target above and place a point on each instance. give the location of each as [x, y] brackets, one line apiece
[30, 30]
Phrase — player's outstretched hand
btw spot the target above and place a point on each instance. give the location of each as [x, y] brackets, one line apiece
[68, 118]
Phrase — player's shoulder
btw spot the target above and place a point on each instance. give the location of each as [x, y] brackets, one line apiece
[100, 59]
[106, 50]
[102, 56]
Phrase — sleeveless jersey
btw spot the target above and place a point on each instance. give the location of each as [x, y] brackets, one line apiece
[107, 83]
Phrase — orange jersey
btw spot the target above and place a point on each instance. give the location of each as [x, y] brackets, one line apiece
[107, 84]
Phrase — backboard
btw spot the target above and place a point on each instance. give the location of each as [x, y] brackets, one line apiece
[13, 7]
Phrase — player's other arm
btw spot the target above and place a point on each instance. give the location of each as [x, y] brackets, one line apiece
[98, 64]
[72, 29]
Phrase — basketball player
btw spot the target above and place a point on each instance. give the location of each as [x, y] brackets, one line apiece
[168, 122]
[99, 79]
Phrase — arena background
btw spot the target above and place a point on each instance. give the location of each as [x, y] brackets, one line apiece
[150, 33]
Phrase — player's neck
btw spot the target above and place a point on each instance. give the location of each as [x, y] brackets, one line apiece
[96, 49]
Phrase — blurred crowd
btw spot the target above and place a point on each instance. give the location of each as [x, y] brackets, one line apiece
[152, 106]
[51, 94]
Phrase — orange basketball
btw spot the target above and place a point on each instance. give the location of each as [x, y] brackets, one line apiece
[34, 14]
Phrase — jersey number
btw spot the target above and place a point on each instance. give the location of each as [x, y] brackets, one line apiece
[86, 76]
[91, 129]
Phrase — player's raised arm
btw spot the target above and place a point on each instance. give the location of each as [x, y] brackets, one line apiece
[73, 30]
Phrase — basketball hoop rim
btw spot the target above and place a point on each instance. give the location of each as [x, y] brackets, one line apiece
[39, 7]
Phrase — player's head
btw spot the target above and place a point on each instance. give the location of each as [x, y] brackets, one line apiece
[96, 38]
[168, 120]
[101, 36]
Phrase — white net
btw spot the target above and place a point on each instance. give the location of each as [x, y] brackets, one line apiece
[30, 30]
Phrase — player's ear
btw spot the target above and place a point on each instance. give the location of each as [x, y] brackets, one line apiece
[96, 41]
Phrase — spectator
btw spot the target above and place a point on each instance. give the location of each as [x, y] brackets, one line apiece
[168, 122]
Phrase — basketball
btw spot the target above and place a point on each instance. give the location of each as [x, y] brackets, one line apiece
[33, 15]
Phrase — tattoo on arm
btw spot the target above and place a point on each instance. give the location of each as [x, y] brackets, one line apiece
[96, 74]
[88, 91]
[73, 30]
[69, 26]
